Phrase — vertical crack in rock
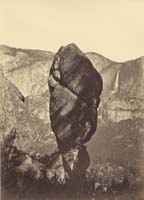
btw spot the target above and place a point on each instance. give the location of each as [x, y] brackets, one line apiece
[75, 88]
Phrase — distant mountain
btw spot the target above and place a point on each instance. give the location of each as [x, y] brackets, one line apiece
[99, 61]
[119, 136]
[27, 69]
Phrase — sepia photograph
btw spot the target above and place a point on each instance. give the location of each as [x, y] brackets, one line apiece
[72, 100]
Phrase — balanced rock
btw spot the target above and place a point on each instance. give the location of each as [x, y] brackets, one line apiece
[75, 88]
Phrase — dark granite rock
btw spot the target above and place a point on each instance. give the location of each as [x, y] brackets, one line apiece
[75, 87]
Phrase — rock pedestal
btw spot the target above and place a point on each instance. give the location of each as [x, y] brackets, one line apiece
[75, 88]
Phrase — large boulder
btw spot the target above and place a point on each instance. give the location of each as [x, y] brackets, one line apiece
[75, 88]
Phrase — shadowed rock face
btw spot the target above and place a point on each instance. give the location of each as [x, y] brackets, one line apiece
[75, 87]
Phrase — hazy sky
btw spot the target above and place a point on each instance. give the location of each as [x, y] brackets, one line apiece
[113, 28]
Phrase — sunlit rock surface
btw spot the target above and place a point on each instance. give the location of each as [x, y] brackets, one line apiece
[26, 69]
[33, 133]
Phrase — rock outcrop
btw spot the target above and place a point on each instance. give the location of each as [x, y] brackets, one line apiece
[75, 88]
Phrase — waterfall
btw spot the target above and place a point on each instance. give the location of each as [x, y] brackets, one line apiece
[116, 83]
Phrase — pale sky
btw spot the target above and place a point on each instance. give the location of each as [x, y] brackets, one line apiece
[113, 28]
